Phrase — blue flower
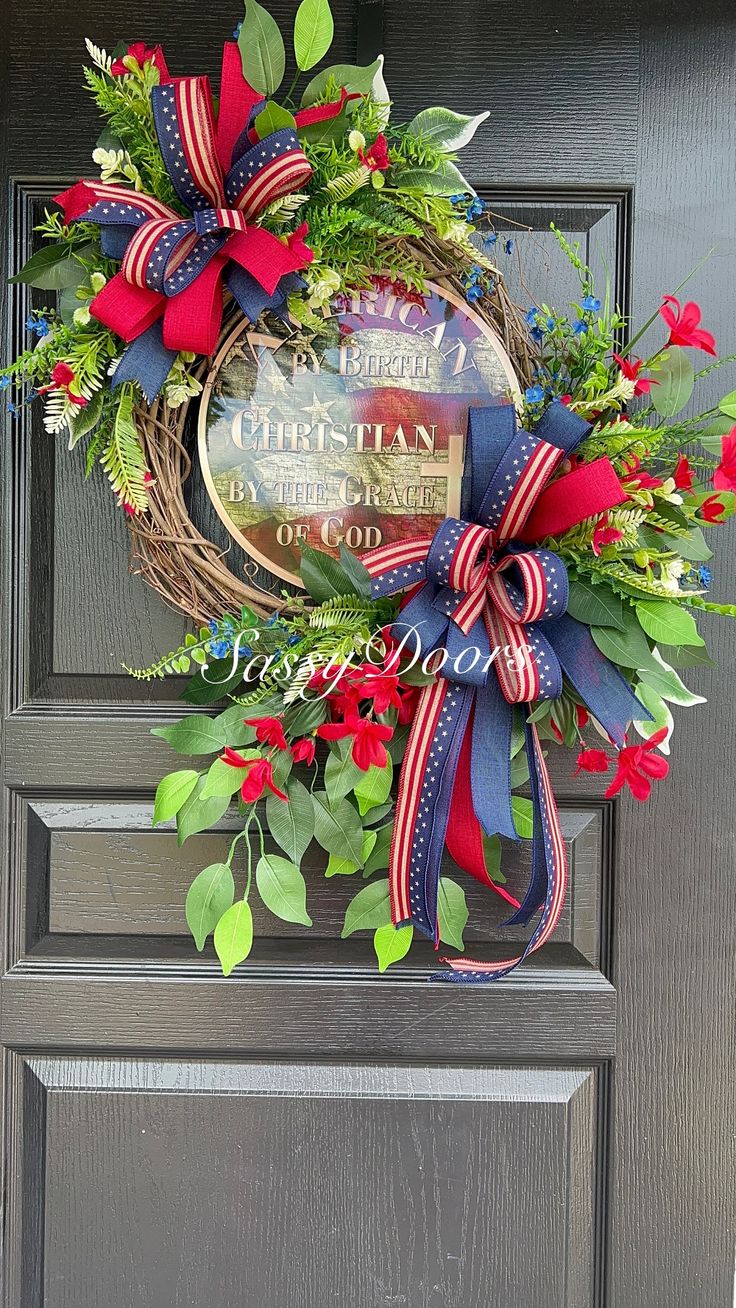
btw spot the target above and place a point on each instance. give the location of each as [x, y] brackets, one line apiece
[590, 304]
[271, 622]
[4, 383]
[531, 316]
[550, 324]
[213, 626]
[475, 273]
[490, 239]
[474, 209]
[294, 640]
[473, 293]
[457, 199]
[534, 394]
[244, 651]
[12, 408]
[580, 327]
[219, 649]
[537, 334]
[705, 576]
[42, 327]
[509, 246]
[236, 31]
[32, 395]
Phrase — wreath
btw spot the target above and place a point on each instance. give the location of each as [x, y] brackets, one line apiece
[557, 606]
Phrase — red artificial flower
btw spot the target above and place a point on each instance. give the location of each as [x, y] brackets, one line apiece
[724, 477]
[581, 716]
[381, 687]
[368, 738]
[604, 535]
[566, 398]
[297, 246]
[631, 369]
[259, 775]
[638, 766]
[592, 760]
[142, 55]
[408, 706]
[62, 374]
[555, 731]
[683, 324]
[128, 508]
[303, 750]
[712, 509]
[376, 158]
[269, 731]
[683, 474]
[231, 756]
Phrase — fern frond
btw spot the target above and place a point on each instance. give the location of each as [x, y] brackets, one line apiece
[123, 459]
[343, 187]
[98, 56]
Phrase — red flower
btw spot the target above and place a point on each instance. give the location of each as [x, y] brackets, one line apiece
[269, 731]
[382, 688]
[581, 716]
[62, 374]
[604, 535]
[303, 750]
[368, 738]
[296, 244]
[231, 756]
[631, 369]
[683, 324]
[376, 158]
[683, 474]
[712, 509]
[592, 760]
[130, 509]
[724, 477]
[259, 774]
[638, 766]
[408, 704]
[142, 55]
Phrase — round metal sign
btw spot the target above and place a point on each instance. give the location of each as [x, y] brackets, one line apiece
[353, 432]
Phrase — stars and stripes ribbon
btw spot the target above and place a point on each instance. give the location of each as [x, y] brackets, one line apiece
[168, 294]
[491, 612]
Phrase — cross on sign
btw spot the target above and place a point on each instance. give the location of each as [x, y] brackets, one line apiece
[451, 469]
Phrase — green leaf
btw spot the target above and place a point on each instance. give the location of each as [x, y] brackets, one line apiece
[310, 714]
[676, 379]
[337, 828]
[342, 773]
[272, 119]
[282, 888]
[452, 912]
[323, 576]
[442, 179]
[379, 855]
[492, 857]
[669, 623]
[261, 49]
[218, 681]
[356, 571]
[519, 771]
[447, 131]
[292, 824]
[223, 779]
[52, 268]
[370, 908]
[209, 896]
[193, 735]
[666, 682]
[234, 936]
[352, 76]
[171, 793]
[82, 423]
[340, 867]
[728, 405]
[391, 943]
[282, 763]
[596, 606]
[313, 32]
[374, 787]
[628, 648]
[231, 723]
[686, 656]
[522, 812]
[198, 814]
[661, 716]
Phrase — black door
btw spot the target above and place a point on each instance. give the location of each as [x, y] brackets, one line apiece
[307, 1133]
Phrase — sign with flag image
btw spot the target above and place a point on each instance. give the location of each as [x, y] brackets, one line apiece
[352, 433]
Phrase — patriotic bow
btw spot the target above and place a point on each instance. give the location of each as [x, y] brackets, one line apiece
[496, 610]
[168, 295]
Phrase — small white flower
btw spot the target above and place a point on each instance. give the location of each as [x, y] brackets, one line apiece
[356, 141]
[324, 288]
[82, 316]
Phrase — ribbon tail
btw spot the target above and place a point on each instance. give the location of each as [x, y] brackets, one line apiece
[464, 835]
[598, 682]
[490, 767]
[548, 838]
[584, 493]
[237, 100]
[147, 362]
[126, 309]
[423, 803]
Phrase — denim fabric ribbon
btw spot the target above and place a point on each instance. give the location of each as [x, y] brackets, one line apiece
[496, 610]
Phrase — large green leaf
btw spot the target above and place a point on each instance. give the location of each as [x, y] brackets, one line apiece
[596, 606]
[353, 77]
[446, 130]
[195, 734]
[628, 648]
[676, 379]
[356, 571]
[337, 828]
[210, 895]
[313, 32]
[444, 179]
[53, 268]
[234, 936]
[492, 858]
[261, 49]
[292, 824]
[223, 779]
[374, 786]
[378, 858]
[272, 119]
[198, 814]
[323, 576]
[302, 719]
[669, 623]
[522, 812]
[232, 724]
[686, 656]
[342, 773]
[370, 908]
[82, 423]
[728, 405]
[452, 912]
[661, 716]
[391, 943]
[666, 682]
[282, 888]
[171, 793]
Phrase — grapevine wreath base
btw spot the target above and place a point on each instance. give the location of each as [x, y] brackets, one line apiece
[402, 703]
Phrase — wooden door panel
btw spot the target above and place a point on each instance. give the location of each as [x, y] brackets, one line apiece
[299, 1172]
